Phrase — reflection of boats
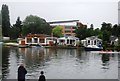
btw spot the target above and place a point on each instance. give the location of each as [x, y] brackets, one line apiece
[1, 42]
[106, 52]
[35, 45]
[23, 46]
[93, 48]
[11, 44]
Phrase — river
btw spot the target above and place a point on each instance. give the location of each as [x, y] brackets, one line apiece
[59, 63]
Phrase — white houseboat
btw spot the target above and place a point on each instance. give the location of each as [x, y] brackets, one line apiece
[92, 43]
[69, 40]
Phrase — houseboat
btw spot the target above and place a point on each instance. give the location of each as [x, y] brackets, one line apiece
[92, 43]
[68, 41]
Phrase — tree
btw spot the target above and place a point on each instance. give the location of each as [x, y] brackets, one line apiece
[5, 20]
[35, 25]
[98, 33]
[16, 29]
[0, 27]
[18, 24]
[114, 30]
[14, 32]
[0, 18]
[57, 31]
[82, 32]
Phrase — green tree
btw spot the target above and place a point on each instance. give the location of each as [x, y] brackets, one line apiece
[5, 20]
[18, 24]
[16, 29]
[57, 31]
[0, 27]
[82, 32]
[14, 32]
[0, 18]
[97, 32]
[115, 30]
[35, 25]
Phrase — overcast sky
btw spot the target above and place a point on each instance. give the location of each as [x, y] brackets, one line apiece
[86, 11]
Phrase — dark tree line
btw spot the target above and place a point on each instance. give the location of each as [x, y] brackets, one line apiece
[104, 33]
[0, 19]
[31, 24]
[5, 20]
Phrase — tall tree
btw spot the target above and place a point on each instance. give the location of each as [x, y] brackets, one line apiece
[18, 25]
[0, 27]
[36, 25]
[5, 20]
[57, 31]
[16, 29]
[82, 32]
[0, 18]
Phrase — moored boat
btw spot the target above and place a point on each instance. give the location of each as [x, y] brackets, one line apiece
[93, 48]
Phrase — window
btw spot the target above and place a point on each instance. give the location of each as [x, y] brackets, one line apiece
[35, 40]
[95, 42]
[29, 40]
[88, 42]
[41, 40]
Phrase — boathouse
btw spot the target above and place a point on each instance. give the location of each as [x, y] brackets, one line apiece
[93, 40]
[35, 39]
[68, 40]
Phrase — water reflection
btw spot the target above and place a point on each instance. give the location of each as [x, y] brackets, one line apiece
[67, 62]
[0, 61]
[5, 62]
[105, 60]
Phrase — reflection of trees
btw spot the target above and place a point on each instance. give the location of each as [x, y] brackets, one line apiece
[5, 61]
[82, 56]
[105, 59]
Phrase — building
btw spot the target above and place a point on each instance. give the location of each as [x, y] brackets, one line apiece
[69, 27]
[113, 40]
[93, 40]
[35, 39]
[51, 41]
[69, 40]
[69, 30]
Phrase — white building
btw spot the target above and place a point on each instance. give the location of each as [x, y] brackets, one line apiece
[70, 40]
[93, 40]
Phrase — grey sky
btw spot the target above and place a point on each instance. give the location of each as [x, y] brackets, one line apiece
[86, 11]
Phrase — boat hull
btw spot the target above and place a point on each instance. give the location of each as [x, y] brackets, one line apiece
[93, 49]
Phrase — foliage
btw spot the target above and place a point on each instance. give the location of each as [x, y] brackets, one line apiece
[18, 24]
[57, 31]
[15, 30]
[35, 25]
[5, 20]
[81, 32]
[0, 18]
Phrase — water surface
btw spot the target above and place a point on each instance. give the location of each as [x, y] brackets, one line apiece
[59, 63]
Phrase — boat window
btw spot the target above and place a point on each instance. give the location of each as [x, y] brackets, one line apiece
[88, 42]
[35, 40]
[41, 40]
[95, 42]
[67, 41]
[29, 40]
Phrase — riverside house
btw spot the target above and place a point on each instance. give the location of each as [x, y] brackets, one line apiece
[68, 40]
[45, 40]
[38, 39]
[113, 40]
[34, 39]
[93, 40]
